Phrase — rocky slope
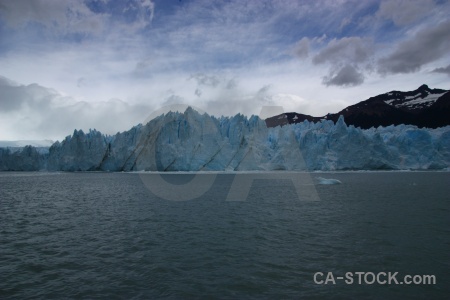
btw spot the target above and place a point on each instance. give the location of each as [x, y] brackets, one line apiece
[423, 107]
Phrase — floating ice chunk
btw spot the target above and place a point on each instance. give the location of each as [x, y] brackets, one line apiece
[328, 181]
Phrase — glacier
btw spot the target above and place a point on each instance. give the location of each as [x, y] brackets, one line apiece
[191, 141]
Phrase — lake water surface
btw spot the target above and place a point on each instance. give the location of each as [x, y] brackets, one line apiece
[106, 235]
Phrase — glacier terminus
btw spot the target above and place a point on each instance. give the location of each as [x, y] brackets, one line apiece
[192, 141]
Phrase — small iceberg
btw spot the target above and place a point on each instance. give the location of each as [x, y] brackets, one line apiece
[328, 181]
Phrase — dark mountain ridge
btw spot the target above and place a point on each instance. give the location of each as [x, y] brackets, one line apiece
[423, 107]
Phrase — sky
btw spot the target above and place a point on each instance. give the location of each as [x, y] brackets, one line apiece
[109, 64]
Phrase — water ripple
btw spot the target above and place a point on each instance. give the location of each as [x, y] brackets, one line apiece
[104, 235]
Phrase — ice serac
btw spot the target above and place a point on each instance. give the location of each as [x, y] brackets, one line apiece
[26, 158]
[79, 152]
[191, 141]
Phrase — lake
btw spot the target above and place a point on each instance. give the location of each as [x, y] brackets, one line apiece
[107, 235]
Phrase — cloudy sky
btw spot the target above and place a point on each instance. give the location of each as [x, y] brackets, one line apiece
[108, 64]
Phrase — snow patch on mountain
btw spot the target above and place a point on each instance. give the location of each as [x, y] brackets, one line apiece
[418, 101]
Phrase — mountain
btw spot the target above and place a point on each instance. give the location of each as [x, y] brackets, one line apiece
[423, 107]
[191, 141]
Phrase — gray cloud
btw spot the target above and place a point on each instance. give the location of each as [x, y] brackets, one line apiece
[15, 97]
[445, 70]
[81, 82]
[264, 92]
[426, 46]
[7, 100]
[233, 100]
[345, 50]
[143, 12]
[6, 82]
[232, 83]
[404, 12]
[301, 49]
[143, 68]
[74, 16]
[345, 57]
[345, 22]
[173, 100]
[62, 16]
[36, 112]
[346, 76]
[205, 80]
